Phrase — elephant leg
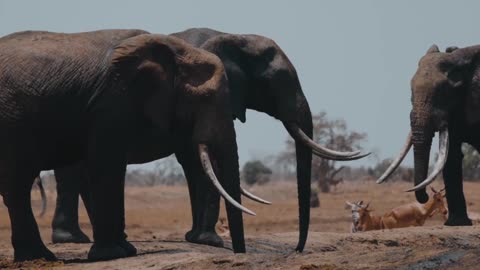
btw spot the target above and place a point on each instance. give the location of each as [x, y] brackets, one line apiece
[453, 179]
[186, 165]
[204, 201]
[106, 166]
[86, 196]
[208, 212]
[65, 220]
[191, 235]
[26, 239]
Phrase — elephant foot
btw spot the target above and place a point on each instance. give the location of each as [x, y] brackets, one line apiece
[129, 249]
[191, 235]
[69, 236]
[460, 221]
[208, 238]
[31, 253]
[104, 253]
[109, 252]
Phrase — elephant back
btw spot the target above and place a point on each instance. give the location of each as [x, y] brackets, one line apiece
[55, 69]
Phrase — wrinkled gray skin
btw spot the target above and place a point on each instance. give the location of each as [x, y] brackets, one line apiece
[89, 97]
[261, 78]
[446, 95]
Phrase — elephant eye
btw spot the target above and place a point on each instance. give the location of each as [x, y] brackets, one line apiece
[455, 75]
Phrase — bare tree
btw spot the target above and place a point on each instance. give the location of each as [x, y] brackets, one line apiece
[471, 163]
[334, 134]
[255, 172]
[401, 173]
[165, 171]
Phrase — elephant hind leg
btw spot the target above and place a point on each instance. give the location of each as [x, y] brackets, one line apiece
[26, 239]
[65, 220]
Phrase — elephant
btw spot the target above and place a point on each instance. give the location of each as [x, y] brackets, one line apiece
[88, 97]
[261, 78]
[445, 99]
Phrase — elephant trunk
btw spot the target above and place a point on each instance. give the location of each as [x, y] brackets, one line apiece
[304, 168]
[422, 142]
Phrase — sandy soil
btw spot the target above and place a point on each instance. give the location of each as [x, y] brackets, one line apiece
[158, 217]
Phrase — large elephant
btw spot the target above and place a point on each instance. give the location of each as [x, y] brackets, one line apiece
[445, 99]
[89, 97]
[260, 77]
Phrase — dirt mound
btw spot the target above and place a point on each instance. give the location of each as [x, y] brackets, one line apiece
[158, 233]
[412, 248]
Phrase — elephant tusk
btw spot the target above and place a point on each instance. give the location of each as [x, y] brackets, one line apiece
[396, 162]
[442, 158]
[319, 150]
[254, 197]
[207, 167]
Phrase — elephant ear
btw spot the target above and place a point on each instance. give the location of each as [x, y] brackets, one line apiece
[459, 65]
[228, 48]
[245, 57]
[162, 57]
[463, 70]
[162, 68]
[237, 87]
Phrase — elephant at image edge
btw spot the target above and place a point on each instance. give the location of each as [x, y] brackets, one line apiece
[445, 99]
[260, 77]
[98, 92]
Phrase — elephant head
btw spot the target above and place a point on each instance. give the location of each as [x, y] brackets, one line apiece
[441, 86]
[261, 77]
[184, 89]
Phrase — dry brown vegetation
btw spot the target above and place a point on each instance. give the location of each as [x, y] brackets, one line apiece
[158, 217]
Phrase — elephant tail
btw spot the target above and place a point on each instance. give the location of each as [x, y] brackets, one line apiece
[39, 183]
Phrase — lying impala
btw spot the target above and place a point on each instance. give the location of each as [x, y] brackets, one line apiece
[415, 214]
[412, 214]
[366, 221]
[354, 207]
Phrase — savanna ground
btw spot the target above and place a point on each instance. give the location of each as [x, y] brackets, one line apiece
[157, 218]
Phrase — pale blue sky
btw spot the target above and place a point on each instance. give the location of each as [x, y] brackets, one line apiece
[355, 59]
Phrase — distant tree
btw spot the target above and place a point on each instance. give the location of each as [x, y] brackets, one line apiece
[471, 163]
[166, 171]
[314, 200]
[333, 134]
[255, 172]
[401, 173]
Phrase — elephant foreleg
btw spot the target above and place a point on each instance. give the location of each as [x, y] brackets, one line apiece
[106, 166]
[203, 199]
[453, 178]
[186, 162]
[65, 220]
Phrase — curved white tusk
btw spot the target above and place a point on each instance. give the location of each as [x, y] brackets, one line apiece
[254, 197]
[396, 162]
[207, 167]
[319, 150]
[442, 158]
